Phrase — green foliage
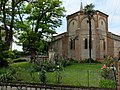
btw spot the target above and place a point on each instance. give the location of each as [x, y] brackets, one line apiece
[18, 53]
[108, 60]
[9, 75]
[43, 75]
[8, 54]
[89, 9]
[38, 23]
[108, 73]
[6, 57]
[105, 83]
[75, 74]
[58, 74]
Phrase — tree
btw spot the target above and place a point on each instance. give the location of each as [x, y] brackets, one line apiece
[8, 15]
[89, 11]
[41, 17]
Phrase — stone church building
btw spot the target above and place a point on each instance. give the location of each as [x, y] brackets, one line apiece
[74, 43]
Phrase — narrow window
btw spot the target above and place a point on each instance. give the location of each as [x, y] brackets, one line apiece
[104, 45]
[101, 22]
[86, 43]
[71, 44]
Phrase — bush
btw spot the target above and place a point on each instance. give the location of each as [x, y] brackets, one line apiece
[50, 67]
[108, 60]
[108, 68]
[5, 57]
[4, 63]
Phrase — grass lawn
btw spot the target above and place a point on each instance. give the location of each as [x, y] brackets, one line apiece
[77, 74]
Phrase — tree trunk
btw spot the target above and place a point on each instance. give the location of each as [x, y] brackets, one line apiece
[33, 56]
[90, 39]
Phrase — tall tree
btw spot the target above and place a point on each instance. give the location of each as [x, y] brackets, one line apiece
[8, 15]
[89, 11]
[41, 17]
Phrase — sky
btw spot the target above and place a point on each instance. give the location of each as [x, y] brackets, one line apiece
[109, 7]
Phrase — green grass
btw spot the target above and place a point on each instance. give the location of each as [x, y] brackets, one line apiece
[78, 74]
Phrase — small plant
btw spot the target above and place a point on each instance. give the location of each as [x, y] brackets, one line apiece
[43, 75]
[58, 74]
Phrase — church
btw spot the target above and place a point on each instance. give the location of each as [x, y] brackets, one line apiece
[74, 43]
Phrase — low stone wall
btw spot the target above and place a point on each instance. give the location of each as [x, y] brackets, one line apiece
[23, 86]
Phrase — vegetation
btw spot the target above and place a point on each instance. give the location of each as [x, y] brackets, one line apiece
[76, 74]
[35, 28]
[31, 22]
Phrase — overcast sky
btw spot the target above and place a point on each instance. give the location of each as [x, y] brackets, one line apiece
[109, 7]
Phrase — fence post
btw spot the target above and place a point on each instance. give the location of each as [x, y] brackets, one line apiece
[88, 78]
[118, 75]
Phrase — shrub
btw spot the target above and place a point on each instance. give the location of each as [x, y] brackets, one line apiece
[50, 67]
[108, 60]
[107, 83]
[43, 75]
[6, 57]
[108, 68]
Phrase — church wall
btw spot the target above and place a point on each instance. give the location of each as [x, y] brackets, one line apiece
[102, 31]
[57, 47]
[116, 48]
[116, 44]
[73, 35]
[84, 34]
[65, 47]
[110, 46]
[97, 46]
[103, 43]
